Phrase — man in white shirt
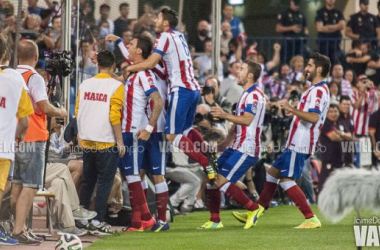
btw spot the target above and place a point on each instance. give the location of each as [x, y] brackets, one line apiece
[229, 87]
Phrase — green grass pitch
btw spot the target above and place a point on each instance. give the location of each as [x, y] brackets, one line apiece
[274, 230]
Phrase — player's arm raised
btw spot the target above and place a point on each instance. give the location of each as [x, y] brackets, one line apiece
[147, 64]
[245, 119]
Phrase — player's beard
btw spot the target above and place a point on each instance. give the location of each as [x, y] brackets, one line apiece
[311, 76]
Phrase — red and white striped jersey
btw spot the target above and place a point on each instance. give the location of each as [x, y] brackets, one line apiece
[303, 136]
[137, 90]
[361, 116]
[161, 76]
[247, 138]
[162, 87]
[172, 46]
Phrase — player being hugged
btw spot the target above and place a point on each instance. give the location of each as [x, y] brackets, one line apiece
[171, 47]
[155, 156]
[245, 151]
[137, 128]
[307, 122]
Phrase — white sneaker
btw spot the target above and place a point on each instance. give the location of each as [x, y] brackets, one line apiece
[72, 230]
[199, 204]
[83, 214]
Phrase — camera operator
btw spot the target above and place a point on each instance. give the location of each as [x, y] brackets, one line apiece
[210, 129]
[211, 94]
[29, 166]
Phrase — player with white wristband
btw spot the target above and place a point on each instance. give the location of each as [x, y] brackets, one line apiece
[140, 88]
[155, 157]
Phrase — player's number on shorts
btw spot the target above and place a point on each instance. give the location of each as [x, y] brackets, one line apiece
[184, 44]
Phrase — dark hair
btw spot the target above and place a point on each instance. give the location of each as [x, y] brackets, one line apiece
[344, 98]
[225, 5]
[254, 68]
[321, 61]
[106, 59]
[213, 77]
[233, 63]
[333, 105]
[144, 43]
[123, 5]
[353, 83]
[54, 18]
[338, 85]
[105, 6]
[171, 16]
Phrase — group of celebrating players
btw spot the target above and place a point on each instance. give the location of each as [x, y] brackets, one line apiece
[163, 73]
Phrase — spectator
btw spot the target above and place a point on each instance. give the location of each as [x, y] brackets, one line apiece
[66, 206]
[364, 102]
[361, 58]
[350, 76]
[278, 82]
[205, 63]
[33, 7]
[225, 37]
[203, 35]
[337, 77]
[29, 166]
[292, 25]
[122, 23]
[213, 95]
[145, 23]
[330, 140]
[363, 25]
[104, 12]
[55, 32]
[87, 68]
[127, 38]
[298, 65]
[329, 23]
[348, 127]
[237, 27]
[334, 92]
[190, 176]
[229, 87]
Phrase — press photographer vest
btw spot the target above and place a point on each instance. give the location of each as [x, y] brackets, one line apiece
[94, 109]
[37, 130]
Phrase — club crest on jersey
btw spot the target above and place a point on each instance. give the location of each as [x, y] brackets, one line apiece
[254, 106]
[90, 96]
[3, 102]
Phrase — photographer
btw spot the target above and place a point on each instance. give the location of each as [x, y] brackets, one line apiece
[29, 166]
[211, 94]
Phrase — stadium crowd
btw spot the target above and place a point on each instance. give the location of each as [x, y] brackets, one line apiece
[352, 120]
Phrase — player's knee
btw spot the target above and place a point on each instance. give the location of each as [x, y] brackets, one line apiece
[170, 137]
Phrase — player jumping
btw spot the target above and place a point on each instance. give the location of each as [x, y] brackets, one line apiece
[172, 47]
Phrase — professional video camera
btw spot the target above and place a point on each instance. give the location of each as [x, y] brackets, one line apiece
[59, 63]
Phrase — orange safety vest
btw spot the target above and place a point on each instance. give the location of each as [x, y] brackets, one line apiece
[37, 130]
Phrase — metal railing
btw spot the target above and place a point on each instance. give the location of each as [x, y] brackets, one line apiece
[304, 45]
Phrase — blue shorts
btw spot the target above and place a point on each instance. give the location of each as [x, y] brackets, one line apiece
[29, 165]
[234, 164]
[156, 155]
[290, 163]
[181, 111]
[131, 162]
